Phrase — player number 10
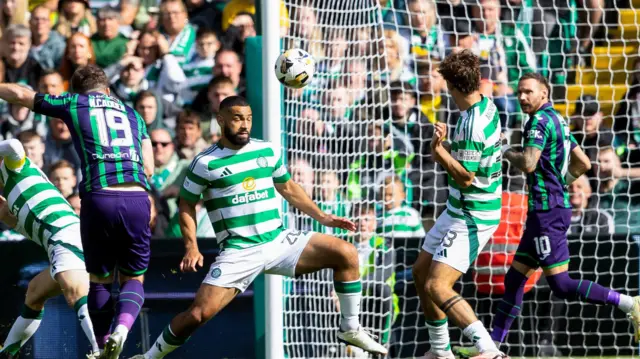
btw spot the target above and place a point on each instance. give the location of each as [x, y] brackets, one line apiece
[109, 120]
[543, 247]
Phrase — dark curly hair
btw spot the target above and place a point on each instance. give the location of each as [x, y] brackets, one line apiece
[462, 71]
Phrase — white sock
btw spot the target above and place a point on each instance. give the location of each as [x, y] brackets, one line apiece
[480, 337]
[82, 311]
[626, 303]
[162, 347]
[22, 330]
[122, 330]
[439, 337]
[349, 294]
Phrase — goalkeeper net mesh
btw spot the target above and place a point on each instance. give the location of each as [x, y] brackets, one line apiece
[357, 140]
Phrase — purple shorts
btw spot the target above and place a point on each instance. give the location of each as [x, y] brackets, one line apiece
[115, 232]
[544, 242]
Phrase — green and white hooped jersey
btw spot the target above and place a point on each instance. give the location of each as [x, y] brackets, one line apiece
[476, 145]
[39, 206]
[238, 191]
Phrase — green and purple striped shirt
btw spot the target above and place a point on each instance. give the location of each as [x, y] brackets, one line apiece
[106, 133]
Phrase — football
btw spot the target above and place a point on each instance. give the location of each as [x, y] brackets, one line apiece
[294, 68]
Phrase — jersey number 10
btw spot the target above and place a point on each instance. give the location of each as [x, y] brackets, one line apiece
[109, 122]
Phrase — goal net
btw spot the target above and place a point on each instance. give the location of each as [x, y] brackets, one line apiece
[358, 141]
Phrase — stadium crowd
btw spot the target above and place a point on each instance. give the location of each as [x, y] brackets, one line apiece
[360, 133]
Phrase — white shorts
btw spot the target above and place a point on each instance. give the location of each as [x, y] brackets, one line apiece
[65, 251]
[456, 242]
[237, 268]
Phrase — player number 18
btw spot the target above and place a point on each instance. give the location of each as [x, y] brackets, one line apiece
[109, 120]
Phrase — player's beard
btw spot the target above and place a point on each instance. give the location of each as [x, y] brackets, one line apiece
[234, 138]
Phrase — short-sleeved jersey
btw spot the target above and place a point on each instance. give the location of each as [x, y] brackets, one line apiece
[548, 131]
[402, 222]
[107, 134]
[238, 191]
[476, 145]
[39, 206]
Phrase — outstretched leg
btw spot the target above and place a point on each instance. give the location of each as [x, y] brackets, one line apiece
[41, 288]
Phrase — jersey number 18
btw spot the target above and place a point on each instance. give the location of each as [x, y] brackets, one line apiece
[109, 122]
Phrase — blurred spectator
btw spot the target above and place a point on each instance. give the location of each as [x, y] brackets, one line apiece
[235, 7]
[306, 32]
[74, 201]
[47, 46]
[199, 68]
[130, 83]
[34, 148]
[63, 176]
[207, 103]
[586, 219]
[229, 64]
[13, 12]
[18, 66]
[302, 174]
[356, 71]
[377, 274]
[427, 38]
[587, 121]
[156, 112]
[147, 47]
[108, 43]
[79, 52]
[165, 73]
[175, 26]
[382, 156]
[330, 200]
[393, 64]
[75, 16]
[435, 101]
[243, 26]
[204, 14]
[59, 145]
[17, 119]
[407, 118]
[617, 196]
[339, 104]
[330, 66]
[140, 14]
[626, 123]
[170, 170]
[50, 83]
[400, 220]
[189, 135]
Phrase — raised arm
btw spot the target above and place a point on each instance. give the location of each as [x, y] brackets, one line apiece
[462, 175]
[535, 138]
[296, 196]
[18, 95]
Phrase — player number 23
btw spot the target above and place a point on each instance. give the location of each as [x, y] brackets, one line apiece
[109, 120]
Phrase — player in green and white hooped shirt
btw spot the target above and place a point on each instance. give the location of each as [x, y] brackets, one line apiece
[473, 163]
[35, 208]
[238, 179]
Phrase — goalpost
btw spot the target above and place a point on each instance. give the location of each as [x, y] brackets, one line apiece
[340, 130]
